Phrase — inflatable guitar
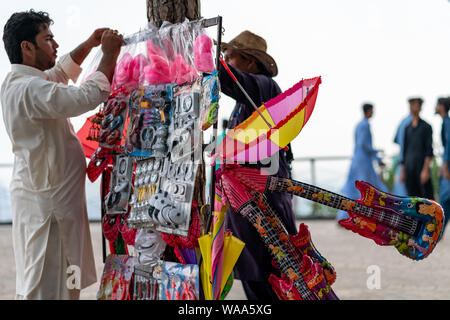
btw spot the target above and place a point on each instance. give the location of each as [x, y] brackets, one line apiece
[318, 273]
[303, 277]
[413, 225]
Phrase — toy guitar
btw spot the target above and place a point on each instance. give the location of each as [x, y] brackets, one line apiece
[412, 224]
[306, 281]
[318, 273]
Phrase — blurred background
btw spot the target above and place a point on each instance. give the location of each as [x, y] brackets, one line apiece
[376, 51]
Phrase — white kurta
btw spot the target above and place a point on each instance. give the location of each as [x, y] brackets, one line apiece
[48, 182]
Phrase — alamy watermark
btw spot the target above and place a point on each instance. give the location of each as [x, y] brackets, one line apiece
[73, 14]
[73, 278]
[374, 279]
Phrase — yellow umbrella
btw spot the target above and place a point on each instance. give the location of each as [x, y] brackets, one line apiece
[205, 243]
[232, 249]
[231, 252]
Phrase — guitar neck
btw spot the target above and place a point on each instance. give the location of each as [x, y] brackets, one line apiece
[253, 214]
[316, 194]
[278, 227]
[337, 201]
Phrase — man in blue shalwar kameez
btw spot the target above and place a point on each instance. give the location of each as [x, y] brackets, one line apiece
[362, 162]
[442, 108]
[399, 187]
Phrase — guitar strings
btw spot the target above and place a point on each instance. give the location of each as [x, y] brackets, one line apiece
[402, 224]
[249, 210]
[261, 183]
[278, 227]
[386, 218]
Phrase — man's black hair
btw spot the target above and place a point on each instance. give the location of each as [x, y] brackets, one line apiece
[444, 102]
[416, 99]
[366, 107]
[23, 26]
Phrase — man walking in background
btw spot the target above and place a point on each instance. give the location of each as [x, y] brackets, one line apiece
[442, 108]
[362, 162]
[399, 188]
[50, 224]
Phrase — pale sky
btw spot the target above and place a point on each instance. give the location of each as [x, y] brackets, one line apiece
[375, 51]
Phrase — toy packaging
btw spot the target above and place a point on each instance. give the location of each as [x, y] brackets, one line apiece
[149, 147]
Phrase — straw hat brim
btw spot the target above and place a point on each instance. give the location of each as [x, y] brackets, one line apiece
[263, 57]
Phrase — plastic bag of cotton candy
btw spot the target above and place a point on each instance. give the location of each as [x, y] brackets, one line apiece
[174, 53]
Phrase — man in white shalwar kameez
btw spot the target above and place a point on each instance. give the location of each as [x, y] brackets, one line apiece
[51, 238]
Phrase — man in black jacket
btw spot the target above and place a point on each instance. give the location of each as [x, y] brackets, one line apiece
[248, 60]
[417, 154]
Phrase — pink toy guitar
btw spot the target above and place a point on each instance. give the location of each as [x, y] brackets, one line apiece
[297, 246]
[413, 225]
[303, 278]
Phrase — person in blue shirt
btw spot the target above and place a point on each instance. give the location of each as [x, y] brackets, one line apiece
[442, 108]
[362, 163]
[399, 188]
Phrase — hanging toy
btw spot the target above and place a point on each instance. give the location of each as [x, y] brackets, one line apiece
[203, 53]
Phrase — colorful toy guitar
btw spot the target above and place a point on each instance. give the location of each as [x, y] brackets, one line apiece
[304, 278]
[318, 273]
[413, 225]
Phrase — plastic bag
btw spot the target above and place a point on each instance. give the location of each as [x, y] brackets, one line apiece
[150, 246]
[115, 283]
[177, 281]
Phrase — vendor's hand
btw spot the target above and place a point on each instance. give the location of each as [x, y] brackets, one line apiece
[96, 38]
[424, 176]
[111, 42]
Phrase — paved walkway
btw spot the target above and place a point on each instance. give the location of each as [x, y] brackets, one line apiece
[352, 256]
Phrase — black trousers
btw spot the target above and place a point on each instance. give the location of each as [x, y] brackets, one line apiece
[415, 187]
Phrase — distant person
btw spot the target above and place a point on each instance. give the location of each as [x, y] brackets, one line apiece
[399, 188]
[362, 163]
[442, 108]
[417, 154]
[51, 237]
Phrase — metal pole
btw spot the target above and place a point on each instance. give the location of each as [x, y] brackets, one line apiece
[212, 191]
[103, 210]
[244, 92]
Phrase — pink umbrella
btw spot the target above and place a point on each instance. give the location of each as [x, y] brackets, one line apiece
[218, 236]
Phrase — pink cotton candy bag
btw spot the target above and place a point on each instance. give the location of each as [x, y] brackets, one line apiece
[203, 53]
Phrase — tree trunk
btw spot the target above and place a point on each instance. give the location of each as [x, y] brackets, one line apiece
[174, 11]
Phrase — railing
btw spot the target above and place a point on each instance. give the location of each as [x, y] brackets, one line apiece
[305, 209]
[333, 170]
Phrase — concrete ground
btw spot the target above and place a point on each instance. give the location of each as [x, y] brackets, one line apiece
[357, 262]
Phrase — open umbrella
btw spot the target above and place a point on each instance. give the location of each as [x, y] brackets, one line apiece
[272, 126]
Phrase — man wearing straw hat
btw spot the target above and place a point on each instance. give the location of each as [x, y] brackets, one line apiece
[246, 56]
